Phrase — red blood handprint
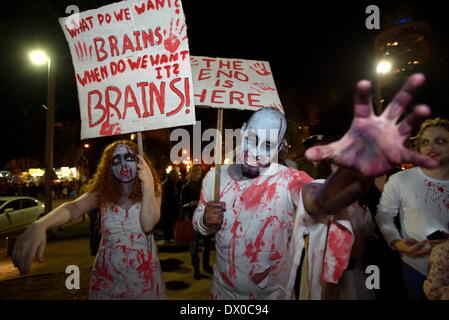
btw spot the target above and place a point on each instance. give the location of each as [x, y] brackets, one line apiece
[82, 51]
[172, 42]
[260, 69]
[263, 86]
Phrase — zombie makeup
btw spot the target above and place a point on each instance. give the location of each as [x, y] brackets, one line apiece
[257, 152]
[124, 163]
[434, 143]
[261, 141]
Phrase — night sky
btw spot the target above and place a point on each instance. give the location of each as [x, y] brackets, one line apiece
[321, 49]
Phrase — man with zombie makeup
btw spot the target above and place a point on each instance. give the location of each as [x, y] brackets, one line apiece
[255, 220]
[126, 190]
[421, 197]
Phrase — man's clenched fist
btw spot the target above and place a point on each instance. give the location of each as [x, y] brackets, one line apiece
[213, 214]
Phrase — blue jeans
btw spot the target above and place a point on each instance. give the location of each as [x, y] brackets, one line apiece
[413, 281]
[194, 251]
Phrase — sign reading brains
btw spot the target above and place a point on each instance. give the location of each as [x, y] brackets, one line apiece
[132, 67]
[234, 84]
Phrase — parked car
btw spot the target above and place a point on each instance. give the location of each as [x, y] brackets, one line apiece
[16, 213]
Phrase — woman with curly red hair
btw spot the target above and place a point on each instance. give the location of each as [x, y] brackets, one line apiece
[126, 265]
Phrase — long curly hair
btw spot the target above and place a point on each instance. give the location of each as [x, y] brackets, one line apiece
[108, 188]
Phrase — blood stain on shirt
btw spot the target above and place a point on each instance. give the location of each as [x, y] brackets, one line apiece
[259, 195]
[232, 271]
[226, 279]
[252, 250]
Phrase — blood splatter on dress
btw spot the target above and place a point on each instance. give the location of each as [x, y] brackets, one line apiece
[126, 266]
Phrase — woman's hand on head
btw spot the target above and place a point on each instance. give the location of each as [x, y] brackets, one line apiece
[144, 172]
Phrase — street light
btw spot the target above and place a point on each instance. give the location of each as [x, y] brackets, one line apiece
[383, 67]
[39, 57]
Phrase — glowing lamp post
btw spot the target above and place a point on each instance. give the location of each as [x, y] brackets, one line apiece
[39, 57]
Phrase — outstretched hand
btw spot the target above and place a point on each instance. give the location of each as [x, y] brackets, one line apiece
[29, 245]
[374, 145]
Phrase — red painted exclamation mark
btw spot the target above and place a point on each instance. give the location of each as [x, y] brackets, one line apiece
[187, 94]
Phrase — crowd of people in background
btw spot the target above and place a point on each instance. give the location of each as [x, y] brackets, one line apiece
[180, 196]
[62, 189]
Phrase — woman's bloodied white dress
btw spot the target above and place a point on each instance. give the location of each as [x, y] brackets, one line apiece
[126, 266]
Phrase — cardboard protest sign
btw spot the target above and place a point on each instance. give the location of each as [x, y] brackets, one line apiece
[132, 67]
[234, 84]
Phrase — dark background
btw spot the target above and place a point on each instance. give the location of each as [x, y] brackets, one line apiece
[317, 51]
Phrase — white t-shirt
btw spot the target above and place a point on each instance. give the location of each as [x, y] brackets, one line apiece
[256, 230]
[423, 206]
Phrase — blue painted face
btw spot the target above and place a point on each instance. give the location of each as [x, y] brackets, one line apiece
[260, 145]
[124, 163]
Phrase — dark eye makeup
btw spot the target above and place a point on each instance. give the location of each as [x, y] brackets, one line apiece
[130, 157]
[116, 159]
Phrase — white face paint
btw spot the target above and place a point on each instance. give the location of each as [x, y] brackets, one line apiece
[124, 163]
[261, 140]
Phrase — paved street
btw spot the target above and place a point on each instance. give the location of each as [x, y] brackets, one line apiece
[71, 247]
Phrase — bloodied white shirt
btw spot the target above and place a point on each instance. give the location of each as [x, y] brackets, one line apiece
[423, 207]
[256, 230]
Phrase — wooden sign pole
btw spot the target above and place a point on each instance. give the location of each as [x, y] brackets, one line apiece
[139, 143]
[218, 155]
[140, 147]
